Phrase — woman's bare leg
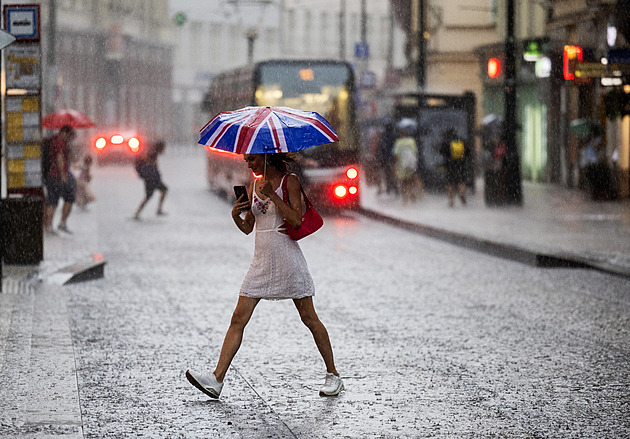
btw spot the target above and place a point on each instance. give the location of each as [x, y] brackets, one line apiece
[234, 336]
[320, 334]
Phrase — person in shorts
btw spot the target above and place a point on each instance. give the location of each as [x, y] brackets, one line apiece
[60, 183]
[148, 170]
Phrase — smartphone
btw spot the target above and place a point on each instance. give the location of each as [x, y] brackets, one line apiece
[239, 191]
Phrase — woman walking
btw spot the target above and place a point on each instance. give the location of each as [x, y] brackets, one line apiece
[278, 270]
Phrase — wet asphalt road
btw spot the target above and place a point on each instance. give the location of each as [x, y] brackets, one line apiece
[431, 340]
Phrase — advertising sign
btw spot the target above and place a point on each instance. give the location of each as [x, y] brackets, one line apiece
[23, 66]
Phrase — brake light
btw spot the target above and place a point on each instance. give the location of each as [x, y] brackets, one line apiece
[340, 191]
[134, 144]
[352, 173]
[353, 190]
[100, 143]
[117, 139]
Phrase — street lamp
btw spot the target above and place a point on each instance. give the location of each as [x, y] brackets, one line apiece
[252, 31]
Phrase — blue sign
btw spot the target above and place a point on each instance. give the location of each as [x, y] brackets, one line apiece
[362, 50]
[22, 21]
[619, 56]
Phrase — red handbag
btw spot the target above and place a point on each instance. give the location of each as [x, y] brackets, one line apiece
[311, 220]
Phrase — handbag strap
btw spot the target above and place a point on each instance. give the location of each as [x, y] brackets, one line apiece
[285, 195]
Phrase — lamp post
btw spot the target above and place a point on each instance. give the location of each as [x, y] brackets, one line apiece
[422, 47]
[514, 194]
[251, 36]
[252, 31]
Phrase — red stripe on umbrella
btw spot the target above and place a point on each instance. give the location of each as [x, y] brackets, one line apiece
[249, 129]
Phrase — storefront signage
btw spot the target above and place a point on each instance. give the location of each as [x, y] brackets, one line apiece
[590, 70]
[599, 70]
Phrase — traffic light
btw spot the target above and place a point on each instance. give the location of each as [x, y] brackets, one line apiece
[180, 18]
[494, 68]
[572, 56]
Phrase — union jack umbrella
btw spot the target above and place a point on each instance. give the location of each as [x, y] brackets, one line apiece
[257, 130]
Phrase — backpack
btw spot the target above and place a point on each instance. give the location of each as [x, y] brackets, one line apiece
[457, 149]
[46, 157]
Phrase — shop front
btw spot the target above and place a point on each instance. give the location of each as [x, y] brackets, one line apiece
[538, 106]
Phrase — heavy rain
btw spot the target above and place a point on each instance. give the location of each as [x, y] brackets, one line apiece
[470, 161]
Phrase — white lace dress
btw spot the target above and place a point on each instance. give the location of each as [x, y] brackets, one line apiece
[278, 270]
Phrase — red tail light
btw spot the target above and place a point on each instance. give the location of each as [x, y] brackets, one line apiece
[100, 143]
[352, 173]
[134, 144]
[341, 191]
[117, 139]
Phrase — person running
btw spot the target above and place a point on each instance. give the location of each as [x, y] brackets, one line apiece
[278, 269]
[147, 168]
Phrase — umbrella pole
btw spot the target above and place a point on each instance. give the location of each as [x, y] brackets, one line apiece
[265, 168]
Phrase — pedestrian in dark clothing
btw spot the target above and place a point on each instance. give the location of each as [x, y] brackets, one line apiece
[453, 151]
[59, 181]
[147, 168]
[386, 159]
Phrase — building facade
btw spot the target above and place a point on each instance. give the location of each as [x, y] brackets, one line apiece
[463, 37]
[597, 86]
[111, 59]
[214, 36]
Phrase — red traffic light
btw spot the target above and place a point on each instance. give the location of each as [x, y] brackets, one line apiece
[494, 67]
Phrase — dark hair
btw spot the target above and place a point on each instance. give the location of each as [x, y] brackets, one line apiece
[159, 145]
[281, 161]
[67, 129]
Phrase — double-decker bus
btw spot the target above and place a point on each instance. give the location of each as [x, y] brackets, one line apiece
[329, 172]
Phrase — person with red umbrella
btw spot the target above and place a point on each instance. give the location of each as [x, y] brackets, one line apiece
[59, 181]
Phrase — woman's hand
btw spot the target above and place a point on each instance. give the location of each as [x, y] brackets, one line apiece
[240, 206]
[245, 225]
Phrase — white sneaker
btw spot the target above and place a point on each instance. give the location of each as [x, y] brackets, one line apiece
[208, 384]
[332, 386]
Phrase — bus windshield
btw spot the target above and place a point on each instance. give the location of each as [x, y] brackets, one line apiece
[325, 88]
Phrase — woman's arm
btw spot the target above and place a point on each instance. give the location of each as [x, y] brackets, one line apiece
[291, 212]
[245, 225]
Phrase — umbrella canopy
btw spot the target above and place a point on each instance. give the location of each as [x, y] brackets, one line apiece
[61, 118]
[407, 124]
[257, 130]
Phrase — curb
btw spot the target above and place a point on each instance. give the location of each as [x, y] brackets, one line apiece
[498, 249]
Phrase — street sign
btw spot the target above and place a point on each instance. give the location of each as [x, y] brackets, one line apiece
[5, 39]
[22, 21]
[362, 50]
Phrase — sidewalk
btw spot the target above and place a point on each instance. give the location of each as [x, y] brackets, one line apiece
[39, 395]
[555, 226]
